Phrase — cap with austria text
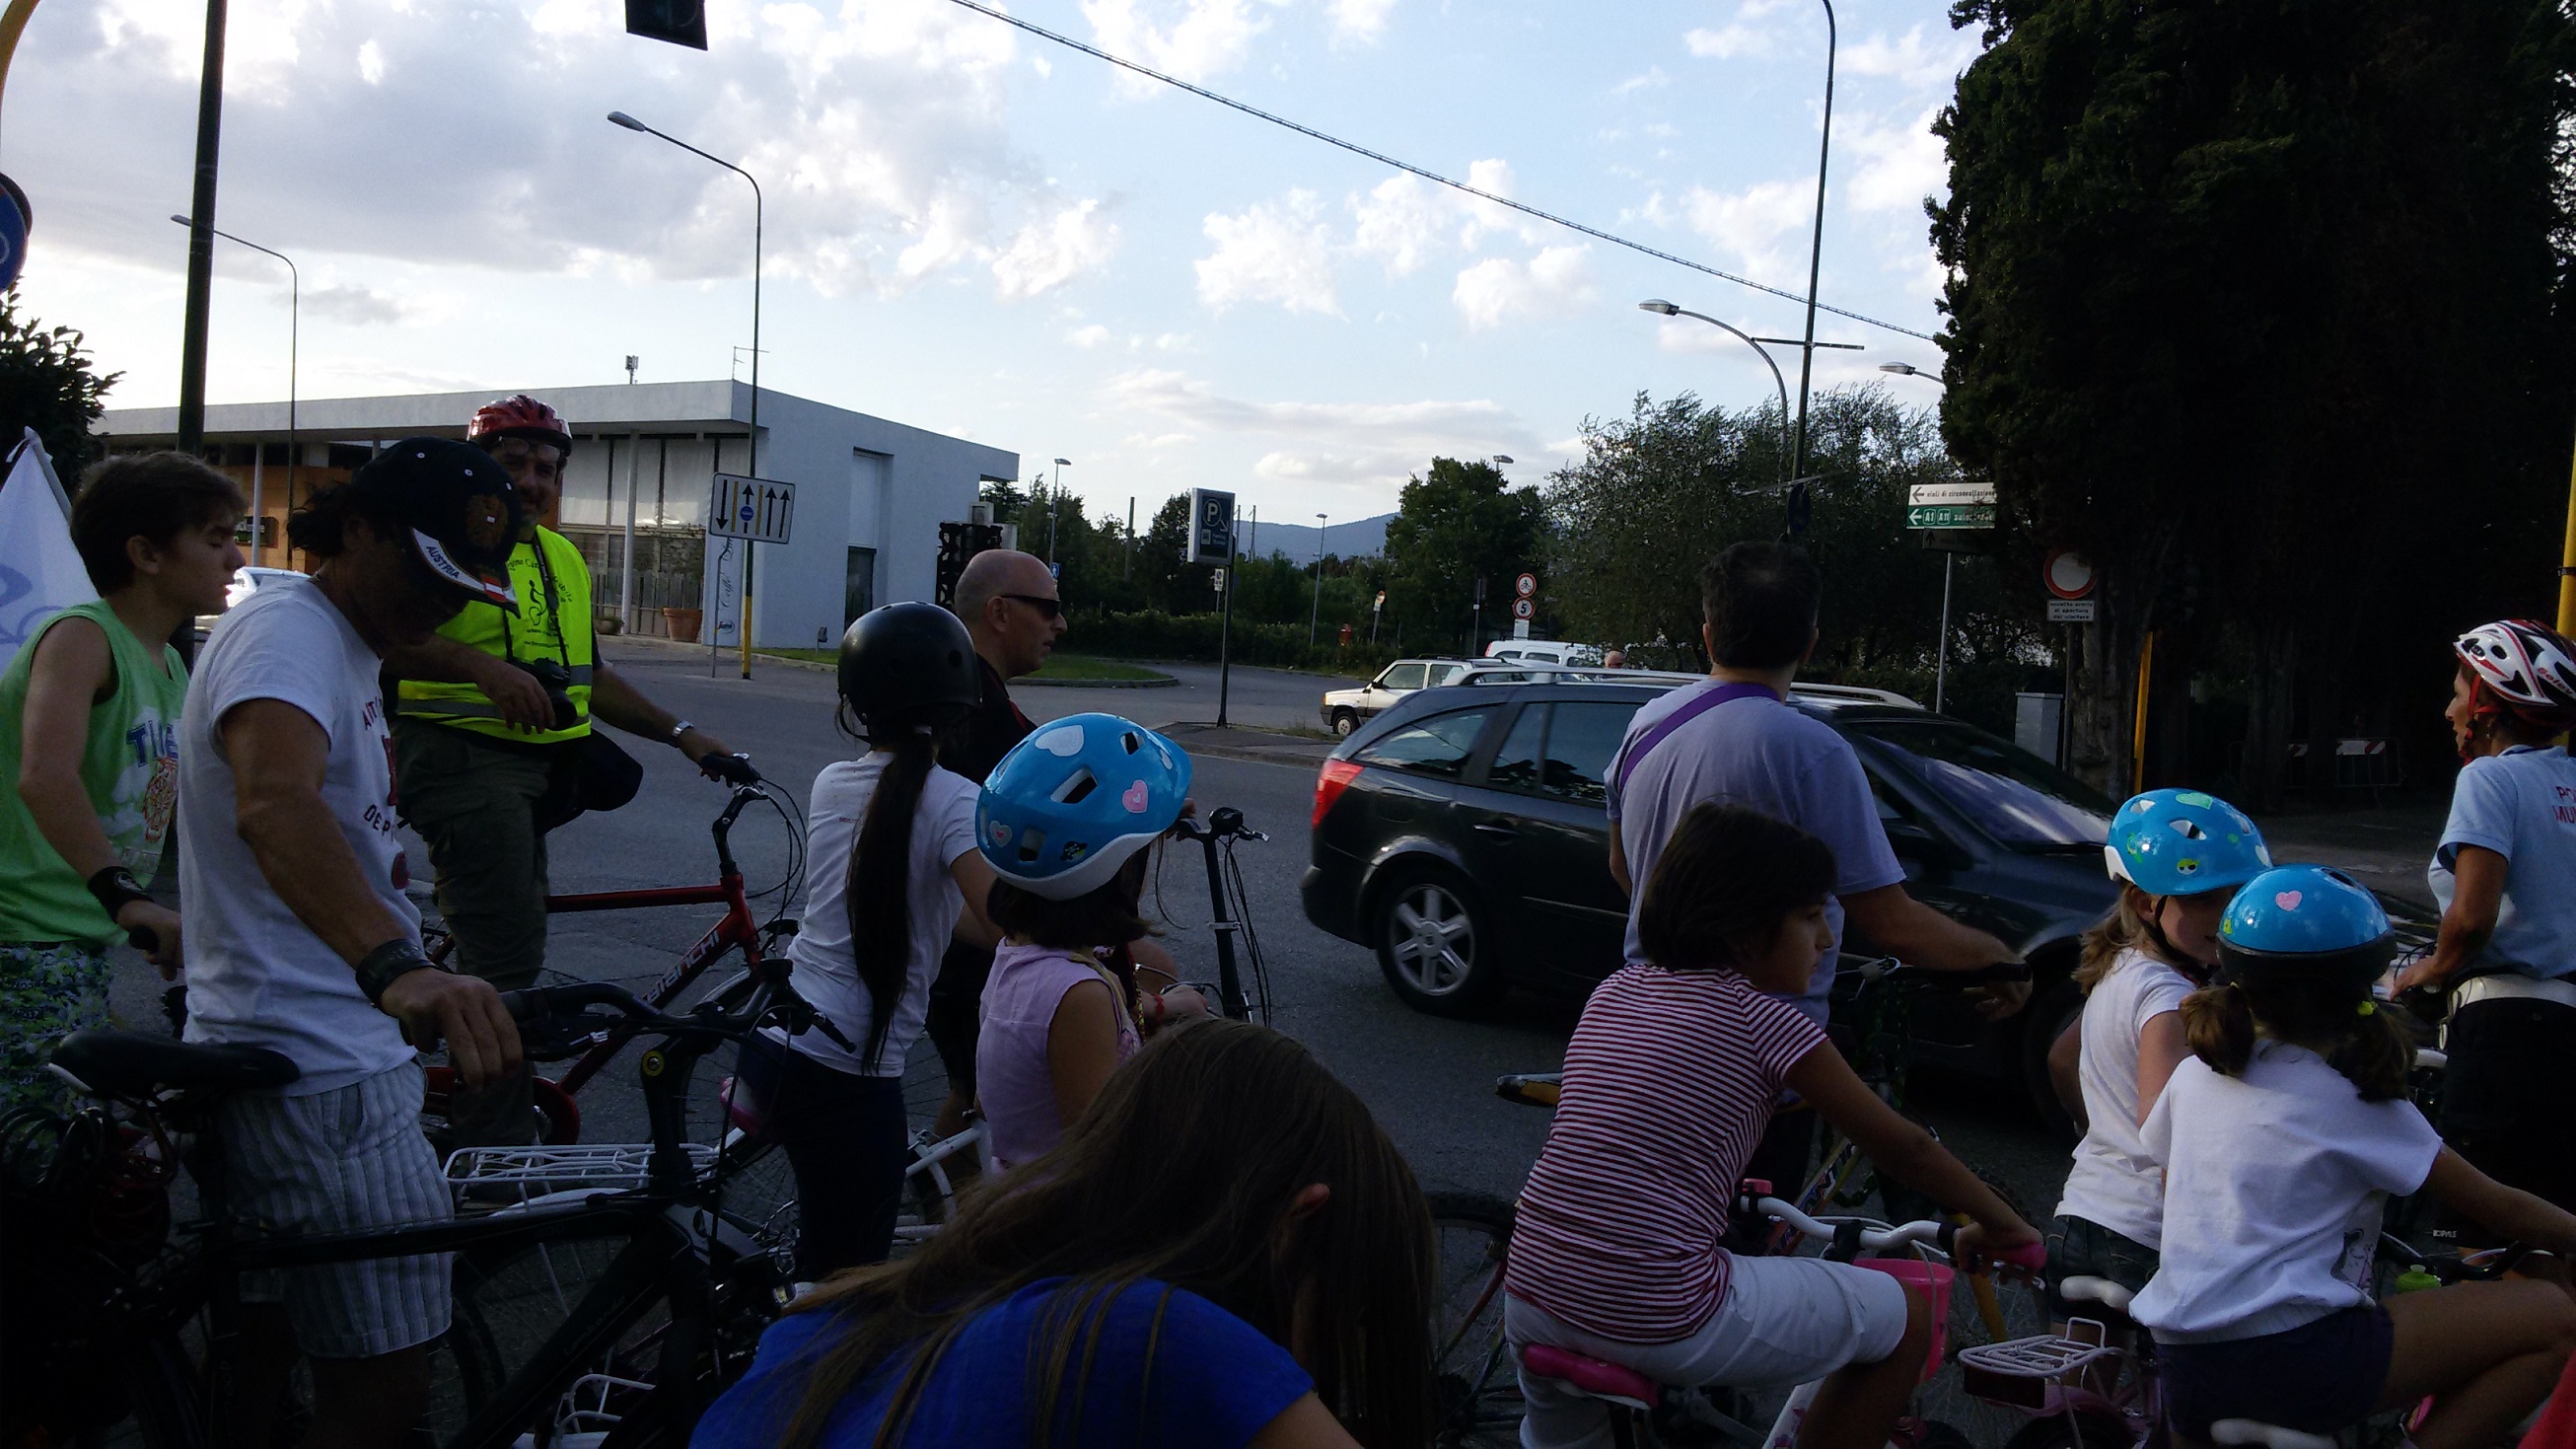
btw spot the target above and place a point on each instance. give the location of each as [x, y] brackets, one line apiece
[460, 506]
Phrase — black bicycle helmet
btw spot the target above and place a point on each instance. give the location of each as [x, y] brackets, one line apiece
[906, 666]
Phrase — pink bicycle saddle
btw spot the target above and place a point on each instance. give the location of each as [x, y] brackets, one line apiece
[1593, 1376]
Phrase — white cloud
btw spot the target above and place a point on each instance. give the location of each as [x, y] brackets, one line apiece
[1210, 38]
[1088, 337]
[1401, 220]
[359, 306]
[1048, 254]
[1553, 283]
[1752, 224]
[1466, 428]
[1493, 176]
[1900, 165]
[877, 129]
[1358, 22]
[1728, 42]
[1653, 76]
[1913, 59]
[1272, 252]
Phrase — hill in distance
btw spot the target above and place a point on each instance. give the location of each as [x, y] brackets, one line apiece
[1359, 538]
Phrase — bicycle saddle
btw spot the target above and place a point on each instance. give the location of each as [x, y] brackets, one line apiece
[135, 1064]
[2248, 1431]
[1614, 1382]
[2080, 1289]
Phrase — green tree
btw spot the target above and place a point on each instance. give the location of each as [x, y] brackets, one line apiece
[2262, 308]
[1460, 523]
[47, 383]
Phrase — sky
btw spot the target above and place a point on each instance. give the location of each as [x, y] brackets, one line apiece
[977, 231]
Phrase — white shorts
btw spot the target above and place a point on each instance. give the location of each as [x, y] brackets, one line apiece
[349, 1158]
[1784, 1321]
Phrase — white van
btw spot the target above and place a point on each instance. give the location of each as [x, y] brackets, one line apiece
[1545, 651]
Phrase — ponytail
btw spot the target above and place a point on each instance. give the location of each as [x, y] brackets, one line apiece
[2359, 1038]
[879, 892]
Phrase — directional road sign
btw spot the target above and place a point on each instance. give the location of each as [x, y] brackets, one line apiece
[759, 509]
[1950, 515]
[1924, 493]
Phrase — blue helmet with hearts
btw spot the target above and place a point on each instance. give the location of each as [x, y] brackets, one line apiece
[1069, 804]
[2306, 923]
[2183, 842]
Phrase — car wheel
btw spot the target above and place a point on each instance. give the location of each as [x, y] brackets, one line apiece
[2053, 1008]
[1434, 945]
[1345, 721]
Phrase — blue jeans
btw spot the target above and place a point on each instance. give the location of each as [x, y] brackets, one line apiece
[2081, 1249]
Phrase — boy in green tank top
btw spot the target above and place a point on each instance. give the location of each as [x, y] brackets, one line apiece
[89, 721]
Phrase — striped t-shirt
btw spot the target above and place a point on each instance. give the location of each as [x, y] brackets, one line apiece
[1669, 1083]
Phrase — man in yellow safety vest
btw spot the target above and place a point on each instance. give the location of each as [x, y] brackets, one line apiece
[492, 747]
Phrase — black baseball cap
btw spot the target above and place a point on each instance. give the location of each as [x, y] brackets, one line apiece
[461, 509]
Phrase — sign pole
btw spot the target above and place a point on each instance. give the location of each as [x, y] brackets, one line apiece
[1941, 666]
[1225, 634]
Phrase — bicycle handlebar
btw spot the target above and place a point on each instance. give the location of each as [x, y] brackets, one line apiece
[1887, 967]
[1224, 822]
[734, 769]
[2030, 1257]
[772, 997]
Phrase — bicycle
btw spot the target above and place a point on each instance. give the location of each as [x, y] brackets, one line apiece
[632, 1297]
[1645, 1412]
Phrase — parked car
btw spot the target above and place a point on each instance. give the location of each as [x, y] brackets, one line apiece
[1546, 651]
[246, 582]
[1346, 709]
[1460, 834]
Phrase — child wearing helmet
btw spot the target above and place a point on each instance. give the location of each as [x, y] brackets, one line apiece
[2507, 949]
[891, 844]
[2281, 1138]
[2178, 855]
[1063, 824]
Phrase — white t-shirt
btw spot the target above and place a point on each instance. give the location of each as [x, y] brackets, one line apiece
[2273, 1187]
[2521, 805]
[256, 973]
[825, 971]
[2114, 1182]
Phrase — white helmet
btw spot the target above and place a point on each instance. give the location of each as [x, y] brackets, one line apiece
[2526, 666]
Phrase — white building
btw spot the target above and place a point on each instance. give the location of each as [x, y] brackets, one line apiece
[870, 494]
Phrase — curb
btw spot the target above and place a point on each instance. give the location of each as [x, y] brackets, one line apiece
[1160, 681]
[1297, 750]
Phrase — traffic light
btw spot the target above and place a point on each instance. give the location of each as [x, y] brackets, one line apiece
[681, 22]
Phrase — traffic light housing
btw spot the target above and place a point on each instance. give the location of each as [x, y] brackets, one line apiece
[681, 22]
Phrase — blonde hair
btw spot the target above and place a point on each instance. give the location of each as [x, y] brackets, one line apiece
[2128, 925]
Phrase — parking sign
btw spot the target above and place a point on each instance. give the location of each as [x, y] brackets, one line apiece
[1211, 526]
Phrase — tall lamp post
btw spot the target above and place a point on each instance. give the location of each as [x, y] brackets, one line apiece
[1941, 658]
[1317, 612]
[294, 325]
[750, 551]
[1815, 253]
[1055, 506]
[1662, 308]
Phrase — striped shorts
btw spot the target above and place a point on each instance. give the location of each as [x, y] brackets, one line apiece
[338, 1161]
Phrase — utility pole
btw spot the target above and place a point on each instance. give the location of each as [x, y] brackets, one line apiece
[1317, 612]
[1127, 565]
[201, 238]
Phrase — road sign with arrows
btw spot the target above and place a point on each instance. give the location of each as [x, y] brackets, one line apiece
[760, 510]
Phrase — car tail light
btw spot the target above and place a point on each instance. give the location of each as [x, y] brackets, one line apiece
[1336, 777]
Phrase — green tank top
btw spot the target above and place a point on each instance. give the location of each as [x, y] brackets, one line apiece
[130, 766]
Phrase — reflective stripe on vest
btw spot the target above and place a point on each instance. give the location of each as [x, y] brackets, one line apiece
[553, 624]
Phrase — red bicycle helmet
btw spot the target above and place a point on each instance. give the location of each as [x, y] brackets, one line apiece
[518, 416]
[2522, 666]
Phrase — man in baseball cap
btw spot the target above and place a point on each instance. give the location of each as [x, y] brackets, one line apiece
[302, 940]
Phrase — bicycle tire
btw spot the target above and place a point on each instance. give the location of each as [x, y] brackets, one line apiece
[1476, 1382]
[2052, 1431]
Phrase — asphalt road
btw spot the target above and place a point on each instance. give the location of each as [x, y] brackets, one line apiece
[1429, 1080]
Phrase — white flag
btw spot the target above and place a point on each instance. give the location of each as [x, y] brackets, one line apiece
[40, 571]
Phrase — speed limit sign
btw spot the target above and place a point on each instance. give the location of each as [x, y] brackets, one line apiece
[1523, 608]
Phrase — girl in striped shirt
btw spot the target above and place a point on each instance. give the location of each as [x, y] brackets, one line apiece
[1669, 1081]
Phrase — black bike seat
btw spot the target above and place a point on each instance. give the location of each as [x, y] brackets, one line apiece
[135, 1064]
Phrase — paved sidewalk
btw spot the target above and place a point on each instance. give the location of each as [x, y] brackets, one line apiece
[1234, 742]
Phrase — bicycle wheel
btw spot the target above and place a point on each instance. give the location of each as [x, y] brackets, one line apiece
[1476, 1383]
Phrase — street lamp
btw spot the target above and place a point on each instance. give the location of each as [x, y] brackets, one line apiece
[1815, 251]
[1907, 369]
[1055, 506]
[1317, 612]
[1662, 308]
[749, 553]
[294, 323]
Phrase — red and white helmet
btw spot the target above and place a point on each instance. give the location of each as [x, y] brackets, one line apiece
[518, 416]
[2524, 666]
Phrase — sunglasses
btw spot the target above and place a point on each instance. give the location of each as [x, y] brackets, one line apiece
[1052, 608]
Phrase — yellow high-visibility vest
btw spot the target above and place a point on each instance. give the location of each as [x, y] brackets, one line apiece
[553, 624]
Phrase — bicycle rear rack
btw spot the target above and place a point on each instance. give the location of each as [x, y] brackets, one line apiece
[2029, 1373]
[536, 1171]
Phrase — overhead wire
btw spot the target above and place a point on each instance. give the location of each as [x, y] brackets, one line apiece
[1426, 174]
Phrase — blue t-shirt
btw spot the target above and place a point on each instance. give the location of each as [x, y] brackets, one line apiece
[2521, 805]
[1761, 754]
[1214, 1381]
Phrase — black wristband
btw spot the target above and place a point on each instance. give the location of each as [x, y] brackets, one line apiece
[114, 887]
[398, 957]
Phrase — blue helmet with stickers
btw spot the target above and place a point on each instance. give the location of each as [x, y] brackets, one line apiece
[2183, 842]
[1069, 804]
[2309, 923]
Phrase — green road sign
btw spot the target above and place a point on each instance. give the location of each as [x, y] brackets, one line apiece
[1950, 515]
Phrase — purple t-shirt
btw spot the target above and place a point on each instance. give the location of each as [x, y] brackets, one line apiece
[1012, 1077]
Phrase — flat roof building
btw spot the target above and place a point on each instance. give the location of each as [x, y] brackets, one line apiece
[870, 494]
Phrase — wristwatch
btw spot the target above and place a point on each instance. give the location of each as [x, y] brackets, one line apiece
[678, 729]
